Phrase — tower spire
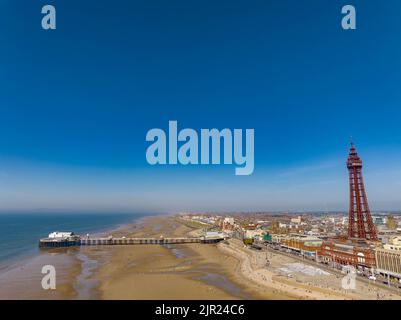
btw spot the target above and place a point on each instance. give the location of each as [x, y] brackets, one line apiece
[360, 223]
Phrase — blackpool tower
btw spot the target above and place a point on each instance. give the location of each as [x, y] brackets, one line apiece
[360, 223]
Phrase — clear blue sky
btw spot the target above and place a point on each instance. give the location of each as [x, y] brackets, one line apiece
[76, 103]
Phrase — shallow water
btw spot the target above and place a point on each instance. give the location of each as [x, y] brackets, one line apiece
[21, 260]
[222, 282]
[22, 280]
[84, 285]
[20, 233]
[176, 251]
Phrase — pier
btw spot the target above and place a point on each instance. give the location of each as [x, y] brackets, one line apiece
[110, 241]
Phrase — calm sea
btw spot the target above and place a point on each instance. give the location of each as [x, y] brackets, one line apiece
[19, 233]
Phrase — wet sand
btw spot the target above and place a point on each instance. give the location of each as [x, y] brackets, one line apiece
[190, 271]
[22, 279]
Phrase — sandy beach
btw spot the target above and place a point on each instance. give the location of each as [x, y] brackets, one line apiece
[190, 271]
[198, 271]
[227, 270]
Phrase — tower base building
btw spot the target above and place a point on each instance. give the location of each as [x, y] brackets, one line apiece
[340, 252]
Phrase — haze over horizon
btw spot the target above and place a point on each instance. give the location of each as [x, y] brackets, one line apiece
[76, 104]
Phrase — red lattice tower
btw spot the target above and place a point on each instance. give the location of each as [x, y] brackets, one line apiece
[360, 223]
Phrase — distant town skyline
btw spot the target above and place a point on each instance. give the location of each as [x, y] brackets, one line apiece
[76, 104]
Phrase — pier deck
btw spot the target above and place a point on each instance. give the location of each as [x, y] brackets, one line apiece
[78, 241]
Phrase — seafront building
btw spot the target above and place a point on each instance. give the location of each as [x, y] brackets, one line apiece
[228, 224]
[388, 259]
[341, 252]
[307, 246]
